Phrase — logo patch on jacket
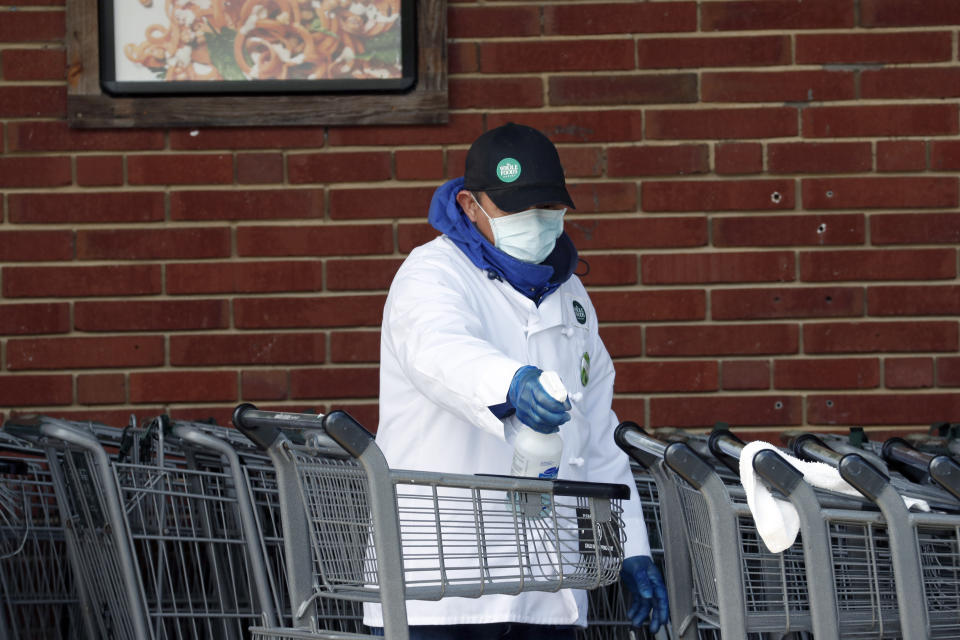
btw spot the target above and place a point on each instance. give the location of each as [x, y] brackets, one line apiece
[579, 312]
[585, 368]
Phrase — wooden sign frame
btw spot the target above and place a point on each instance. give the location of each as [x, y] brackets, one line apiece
[89, 107]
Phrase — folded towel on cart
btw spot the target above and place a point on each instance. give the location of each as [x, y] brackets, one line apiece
[776, 519]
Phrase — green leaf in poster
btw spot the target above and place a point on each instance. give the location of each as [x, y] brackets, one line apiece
[221, 54]
[384, 48]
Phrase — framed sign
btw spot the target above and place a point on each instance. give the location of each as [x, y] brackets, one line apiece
[151, 47]
[150, 63]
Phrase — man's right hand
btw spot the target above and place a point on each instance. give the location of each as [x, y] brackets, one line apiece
[535, 407]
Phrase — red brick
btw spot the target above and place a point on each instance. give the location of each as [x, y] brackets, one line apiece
[603, 197]
[335, 382]
[779, 86]
[630, 408]
[637, 17]
[649, 306]
[660, 160]
[729, 195]
[34, 3]
[263, 348]
[910, 83]
[99, 171]
[463, 57]
[26, 319]
[260, 276]
[721, 124]
[819, 157]
[867, 337]
[24, 101]
[35, 171]
[21, 246]
[264, 384]
[581, 162]
[637, 233]
[605, 270]
[913, 13]
[418, 164]
[881, 193]
[485, 93]
[745, 375]
[493, 22]
[901, 155]
[338, 240]
[880, 120]
[914, 300]
[246, 138]
[351, 204]
[121, 206]
[205, 168]
[415, 234]
[84, 353]
[327, 311]
[827, 373]
[183, 386]
[908, 373]
[578, 126]
[101, 388]
[354, 346]
[217, 415]
[734, 158]
[748, 15]
[878, 264]
[367, 414]
[139, 244]
[944, 154]
[663, 377]
[344, 166]
[879, 409]
[915, 228]
[32, 390]
[153, 315]
[819, 302]
[786, 231]
[704, 52]
[722, 340]
[20, 65]
[57, 136]
[259, 168]
[457, 162]
[539, 56]
[361, 274]
[597, 89]
[32, 26]
[78, 282]
[887, 48]
[265, 204]
[690, 268]
[462, 128]
[622, 341]
[741, 410]
[948, 371]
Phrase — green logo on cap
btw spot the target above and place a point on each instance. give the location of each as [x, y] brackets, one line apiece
[508, 170]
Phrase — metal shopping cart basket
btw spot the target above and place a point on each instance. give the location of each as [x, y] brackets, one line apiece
[355, 529]
[164, 550]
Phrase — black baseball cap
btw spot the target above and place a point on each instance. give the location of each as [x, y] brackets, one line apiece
[517, 167]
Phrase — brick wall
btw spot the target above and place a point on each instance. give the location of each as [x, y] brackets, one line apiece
[767, 196]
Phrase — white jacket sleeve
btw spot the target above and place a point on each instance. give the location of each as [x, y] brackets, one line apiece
[606, 461]
[432, 327]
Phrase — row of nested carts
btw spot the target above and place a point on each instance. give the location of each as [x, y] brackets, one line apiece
[284, 527]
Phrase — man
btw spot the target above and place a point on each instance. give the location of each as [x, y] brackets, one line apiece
[471, 320]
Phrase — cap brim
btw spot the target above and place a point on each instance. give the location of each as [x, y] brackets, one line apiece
[523, 198]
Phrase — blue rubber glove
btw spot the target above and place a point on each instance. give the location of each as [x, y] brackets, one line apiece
[649, 595]
[535, 407]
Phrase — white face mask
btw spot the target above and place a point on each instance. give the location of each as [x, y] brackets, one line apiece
[528, 236]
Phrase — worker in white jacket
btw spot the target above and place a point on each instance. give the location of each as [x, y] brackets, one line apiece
[471, 320]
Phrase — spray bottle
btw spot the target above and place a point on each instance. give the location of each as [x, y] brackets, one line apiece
[538, 454]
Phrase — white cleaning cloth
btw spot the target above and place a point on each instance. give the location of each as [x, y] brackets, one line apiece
[776, 519]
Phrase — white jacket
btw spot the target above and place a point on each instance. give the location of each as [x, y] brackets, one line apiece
[451, 340]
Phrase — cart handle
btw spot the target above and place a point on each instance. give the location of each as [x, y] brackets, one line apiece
[941, 468]
[646, 450]
[573, 488]
[768, 464]
[265, 428]
[854, 468]
[726, 448]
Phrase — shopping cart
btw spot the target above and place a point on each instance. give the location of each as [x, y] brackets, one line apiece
[166, 542]
[939, 468]
[354, 529]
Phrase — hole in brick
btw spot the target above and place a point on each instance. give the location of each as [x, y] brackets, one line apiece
[778, 405]
[822, 227]
[829, 403]
[830, 194]
[776, 197]
[776, 298]
[829, 299]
